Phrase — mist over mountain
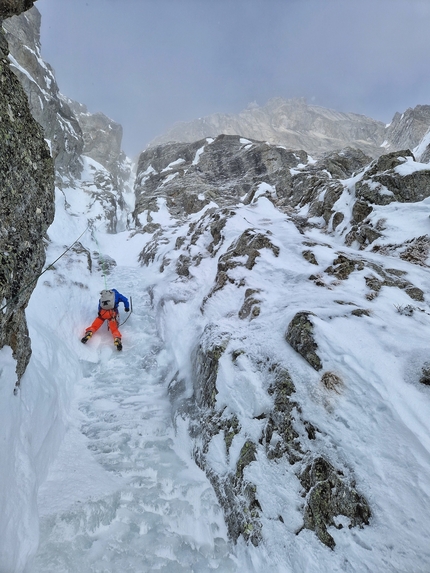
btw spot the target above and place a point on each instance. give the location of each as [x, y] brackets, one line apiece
[271, 404]
[297, 125]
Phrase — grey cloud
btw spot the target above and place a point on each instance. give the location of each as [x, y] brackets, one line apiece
[150, 63]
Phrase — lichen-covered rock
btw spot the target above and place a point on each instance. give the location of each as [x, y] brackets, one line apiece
[27, 207]
[300, 336]
[280, 436]
[343, 266]
[328, 495]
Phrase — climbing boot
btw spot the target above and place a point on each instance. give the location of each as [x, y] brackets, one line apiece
[87, 336]
[118, 344]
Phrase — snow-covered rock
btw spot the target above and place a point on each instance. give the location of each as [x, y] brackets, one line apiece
[270, 407]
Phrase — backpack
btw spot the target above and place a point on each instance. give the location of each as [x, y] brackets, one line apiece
[107, 300]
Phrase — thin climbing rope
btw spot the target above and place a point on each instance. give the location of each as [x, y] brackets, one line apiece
[44, 271]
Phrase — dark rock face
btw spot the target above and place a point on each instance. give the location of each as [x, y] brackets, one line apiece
[10, 8]
[69, 127]
[230, 169]
[211, 348]
[300, 336]
[27, 206]
[425, 375]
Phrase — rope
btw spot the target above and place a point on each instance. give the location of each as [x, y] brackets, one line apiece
[28, 285]
[129, 314]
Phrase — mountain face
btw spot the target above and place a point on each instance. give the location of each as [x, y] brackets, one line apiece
[274, 378]
[71, 130]
[27, 204]
[408, 129]
[292, 123]
[337, 205]
[296, 125]
[38, 80]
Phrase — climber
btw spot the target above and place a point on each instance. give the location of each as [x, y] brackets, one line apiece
[108, 310]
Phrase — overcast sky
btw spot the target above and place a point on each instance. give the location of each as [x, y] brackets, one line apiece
[149, 63]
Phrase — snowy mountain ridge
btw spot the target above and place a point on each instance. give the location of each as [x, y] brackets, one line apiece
[271, 405]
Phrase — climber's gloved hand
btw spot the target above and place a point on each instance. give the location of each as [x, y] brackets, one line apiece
[126, 309]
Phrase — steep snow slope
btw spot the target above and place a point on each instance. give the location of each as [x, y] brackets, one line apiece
[124, 492]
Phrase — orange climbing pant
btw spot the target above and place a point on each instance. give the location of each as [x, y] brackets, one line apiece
[112, 317]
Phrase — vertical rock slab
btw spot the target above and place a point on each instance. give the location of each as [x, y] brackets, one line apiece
[26, 203]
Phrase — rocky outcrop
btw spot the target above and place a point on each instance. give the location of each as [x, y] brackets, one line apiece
[388, 179]
[230, 169]
[407, 129]
[300, 335]
[291, 123]
[327, 491]
[27, 205]
[102, 141]
[224, 171]
[393, 177]
[328, 496]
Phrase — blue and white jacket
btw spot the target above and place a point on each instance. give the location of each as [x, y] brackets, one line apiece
[119, 298]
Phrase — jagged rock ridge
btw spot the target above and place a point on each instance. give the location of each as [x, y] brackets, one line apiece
[291, 123]
[297, 125]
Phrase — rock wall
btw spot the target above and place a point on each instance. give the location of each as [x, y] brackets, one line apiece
[38, 80]
[71, 130]
[27, 204]
[209, 188]
[407, 129]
